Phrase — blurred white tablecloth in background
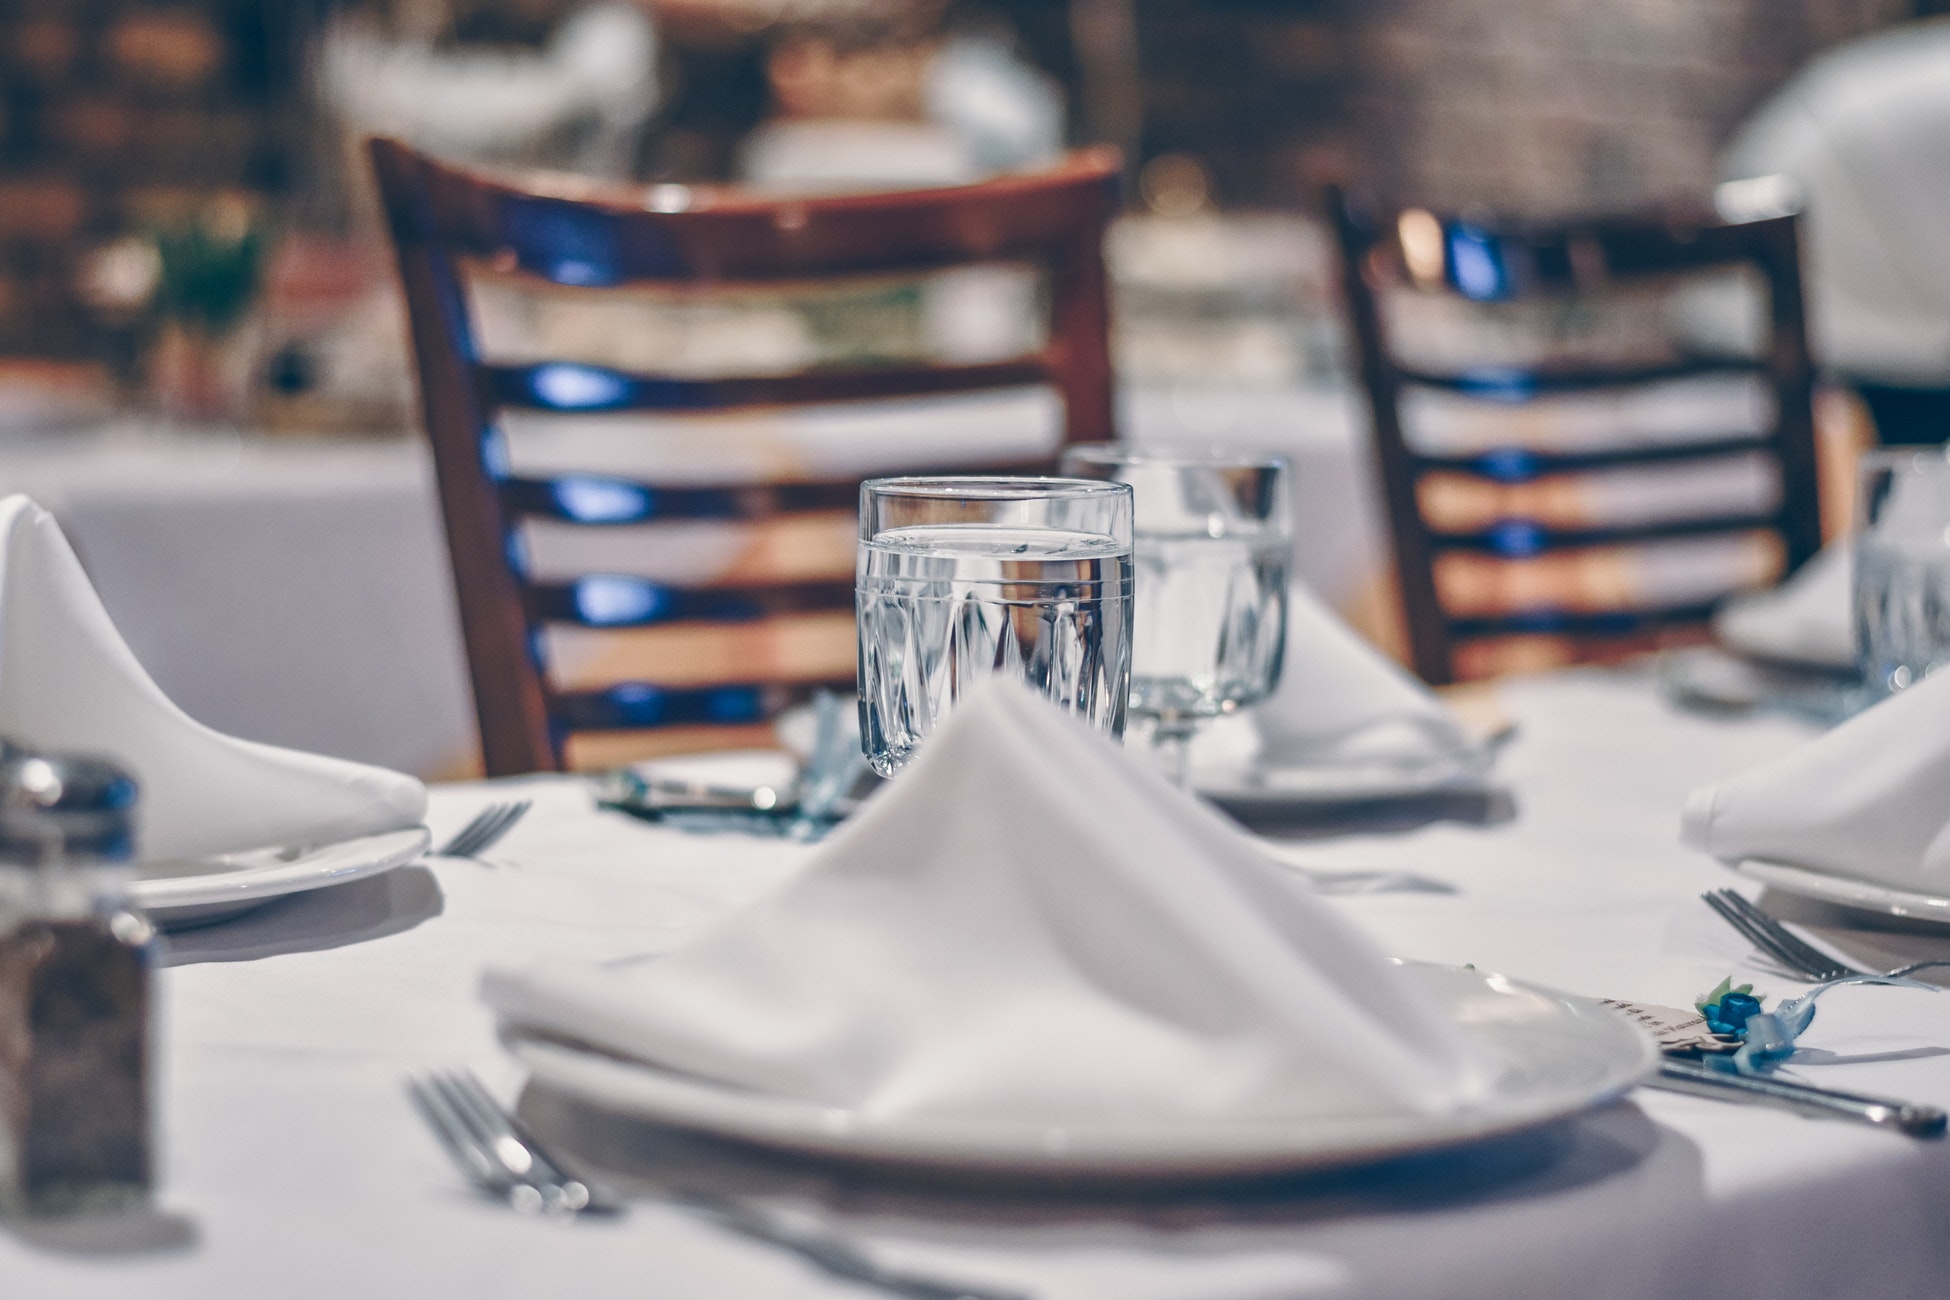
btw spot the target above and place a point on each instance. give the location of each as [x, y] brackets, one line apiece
[296, 590]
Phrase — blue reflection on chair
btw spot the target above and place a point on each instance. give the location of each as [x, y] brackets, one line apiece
[565, 386]
[1508, 464]
[1476, 265]
[615, 600]
[1498, 384]
[591, 500]
[641, 704]
[1517, 538]
[568, 245]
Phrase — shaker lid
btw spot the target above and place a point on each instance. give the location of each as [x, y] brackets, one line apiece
[63, 805]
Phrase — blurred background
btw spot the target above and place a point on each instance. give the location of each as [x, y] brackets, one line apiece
[182, 219]
[203, 365]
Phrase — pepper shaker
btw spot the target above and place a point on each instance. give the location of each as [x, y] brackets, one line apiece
[75, 970]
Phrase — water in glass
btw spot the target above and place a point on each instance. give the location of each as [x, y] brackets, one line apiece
[1902, 611]
[1209, 623]
[1902, 566]
[941, 606]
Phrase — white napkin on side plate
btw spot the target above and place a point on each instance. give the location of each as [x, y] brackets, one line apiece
[68, 683]
[1028, 925]
[1340, 702]
[1806, 620]
[1870, 799]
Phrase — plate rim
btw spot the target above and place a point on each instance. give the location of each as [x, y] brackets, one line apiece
[1848, 891]
[1224, 785]
[1129, 1152]
[275, 879]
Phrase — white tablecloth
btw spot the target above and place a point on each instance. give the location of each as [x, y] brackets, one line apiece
[295, 1168]
[296, 590]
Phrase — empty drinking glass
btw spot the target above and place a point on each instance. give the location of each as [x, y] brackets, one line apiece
[965, 578]
[1902, 567]
[1213, 541]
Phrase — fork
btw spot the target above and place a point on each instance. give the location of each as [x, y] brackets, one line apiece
[486, 830]
[499, 1155]
[1789, 949]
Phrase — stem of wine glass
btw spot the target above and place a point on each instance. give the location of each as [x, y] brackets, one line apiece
[1171, 746]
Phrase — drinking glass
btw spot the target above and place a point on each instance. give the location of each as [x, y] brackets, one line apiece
[965, 578]
[1213, 541]
[1902, 567]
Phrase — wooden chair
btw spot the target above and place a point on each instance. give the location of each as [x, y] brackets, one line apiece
[1496, 568]
[448, 224]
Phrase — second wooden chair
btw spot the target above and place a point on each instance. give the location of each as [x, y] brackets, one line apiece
[1566, 484]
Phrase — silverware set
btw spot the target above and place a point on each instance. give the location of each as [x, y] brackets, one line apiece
[815, 802]
[1795, 954]
[1800, 958]
[499, 1155]
[504, 1160]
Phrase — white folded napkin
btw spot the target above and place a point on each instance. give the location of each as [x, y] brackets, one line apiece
[1029, 925]
[1870, 799]
[1806, 620]
[1340, 703]
[68, 683]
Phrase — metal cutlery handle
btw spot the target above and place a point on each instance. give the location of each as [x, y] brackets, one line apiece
[500, 1155]
[634, 793]
[1882, 1112]
[832, 1253]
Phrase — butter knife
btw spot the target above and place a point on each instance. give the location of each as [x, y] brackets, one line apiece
[1806, 1098]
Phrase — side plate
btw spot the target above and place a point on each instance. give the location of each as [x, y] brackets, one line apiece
[1862, 894]
[177, 895]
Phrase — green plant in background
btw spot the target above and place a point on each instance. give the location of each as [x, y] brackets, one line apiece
[210, 268]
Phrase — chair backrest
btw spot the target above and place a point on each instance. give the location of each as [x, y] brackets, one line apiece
[1550, 507]
[449, 225]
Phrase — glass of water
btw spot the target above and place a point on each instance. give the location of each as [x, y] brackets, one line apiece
[965, 578]
[1902, 567]
[1214, 540]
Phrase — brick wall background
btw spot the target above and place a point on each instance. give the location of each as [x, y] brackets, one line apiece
[1524, 104]
[115, 112]
[1551, 104]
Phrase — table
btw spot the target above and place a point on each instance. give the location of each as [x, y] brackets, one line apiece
[295, 1168]
[296, 590]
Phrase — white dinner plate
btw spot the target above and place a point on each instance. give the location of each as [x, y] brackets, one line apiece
[1556, 1056]
[1862, 894]
[177, 894]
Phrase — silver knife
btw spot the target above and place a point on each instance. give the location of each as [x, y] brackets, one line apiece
[1723, 1085]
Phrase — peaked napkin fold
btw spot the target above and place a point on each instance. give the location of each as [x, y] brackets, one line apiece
[1870, 799]
[1028, 925]
[1805, 620]
[69, 683]
[1341, 702]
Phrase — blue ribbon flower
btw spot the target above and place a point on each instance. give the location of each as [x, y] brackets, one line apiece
[1768, 1037]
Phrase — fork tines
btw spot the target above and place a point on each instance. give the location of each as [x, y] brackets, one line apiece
[1775, 939]
[494, 1150]
[487, 828]
[465, 1146]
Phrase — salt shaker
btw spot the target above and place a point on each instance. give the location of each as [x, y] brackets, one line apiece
[75, 966]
